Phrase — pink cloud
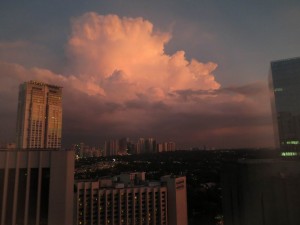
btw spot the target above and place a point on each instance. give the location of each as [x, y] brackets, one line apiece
[101, 45]
[120, 82]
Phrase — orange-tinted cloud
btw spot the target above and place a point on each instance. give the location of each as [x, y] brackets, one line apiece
[120, 82]
[127, 54]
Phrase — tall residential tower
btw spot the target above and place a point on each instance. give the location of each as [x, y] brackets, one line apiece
[39, 120]
[285, 99]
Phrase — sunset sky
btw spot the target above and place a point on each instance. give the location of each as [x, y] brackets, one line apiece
[190, 71]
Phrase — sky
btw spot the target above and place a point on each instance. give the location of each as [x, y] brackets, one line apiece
[194, 72]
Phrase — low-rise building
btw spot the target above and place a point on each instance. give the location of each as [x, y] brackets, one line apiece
[130, 199]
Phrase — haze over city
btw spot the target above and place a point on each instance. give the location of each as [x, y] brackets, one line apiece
[190, 71]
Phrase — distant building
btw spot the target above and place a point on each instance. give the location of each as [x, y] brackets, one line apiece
[130, 199]
[36, 187]
[111, 147]
[141, 146]
[82, 150]
[150, 145]
[124, 146]
[261, 192]
[284, 83]
[146, 145]
[166, 147]
[39, 120]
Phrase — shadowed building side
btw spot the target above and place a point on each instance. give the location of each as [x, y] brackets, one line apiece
[36, 187]
[261, 192]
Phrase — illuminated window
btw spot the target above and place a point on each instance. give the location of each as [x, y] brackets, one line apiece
[292, 142]
[287, 154]
[278, 89]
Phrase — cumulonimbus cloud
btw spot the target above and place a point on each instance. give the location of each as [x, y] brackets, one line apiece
[121, 59]
[120, 82]
[127, 54]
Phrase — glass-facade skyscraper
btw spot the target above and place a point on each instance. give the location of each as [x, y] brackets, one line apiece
[39, 120]
[284, 82]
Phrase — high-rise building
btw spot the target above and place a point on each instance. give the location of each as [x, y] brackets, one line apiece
[124, 145]
[284, 82]
[111, 147]
[150, 145]
[39, 120]
[166, 147]
[140, 146]
[130, 199]
[146, 145]
[81, 150]
[36, 187]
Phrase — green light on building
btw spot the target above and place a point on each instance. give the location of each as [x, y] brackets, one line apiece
[278, 89]
[292, 142]
[288, 154]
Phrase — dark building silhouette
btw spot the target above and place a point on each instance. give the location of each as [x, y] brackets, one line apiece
[284, 82]
[36, 187]
[261, 192]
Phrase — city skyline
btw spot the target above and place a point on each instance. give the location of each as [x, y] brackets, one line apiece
[192, 72]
